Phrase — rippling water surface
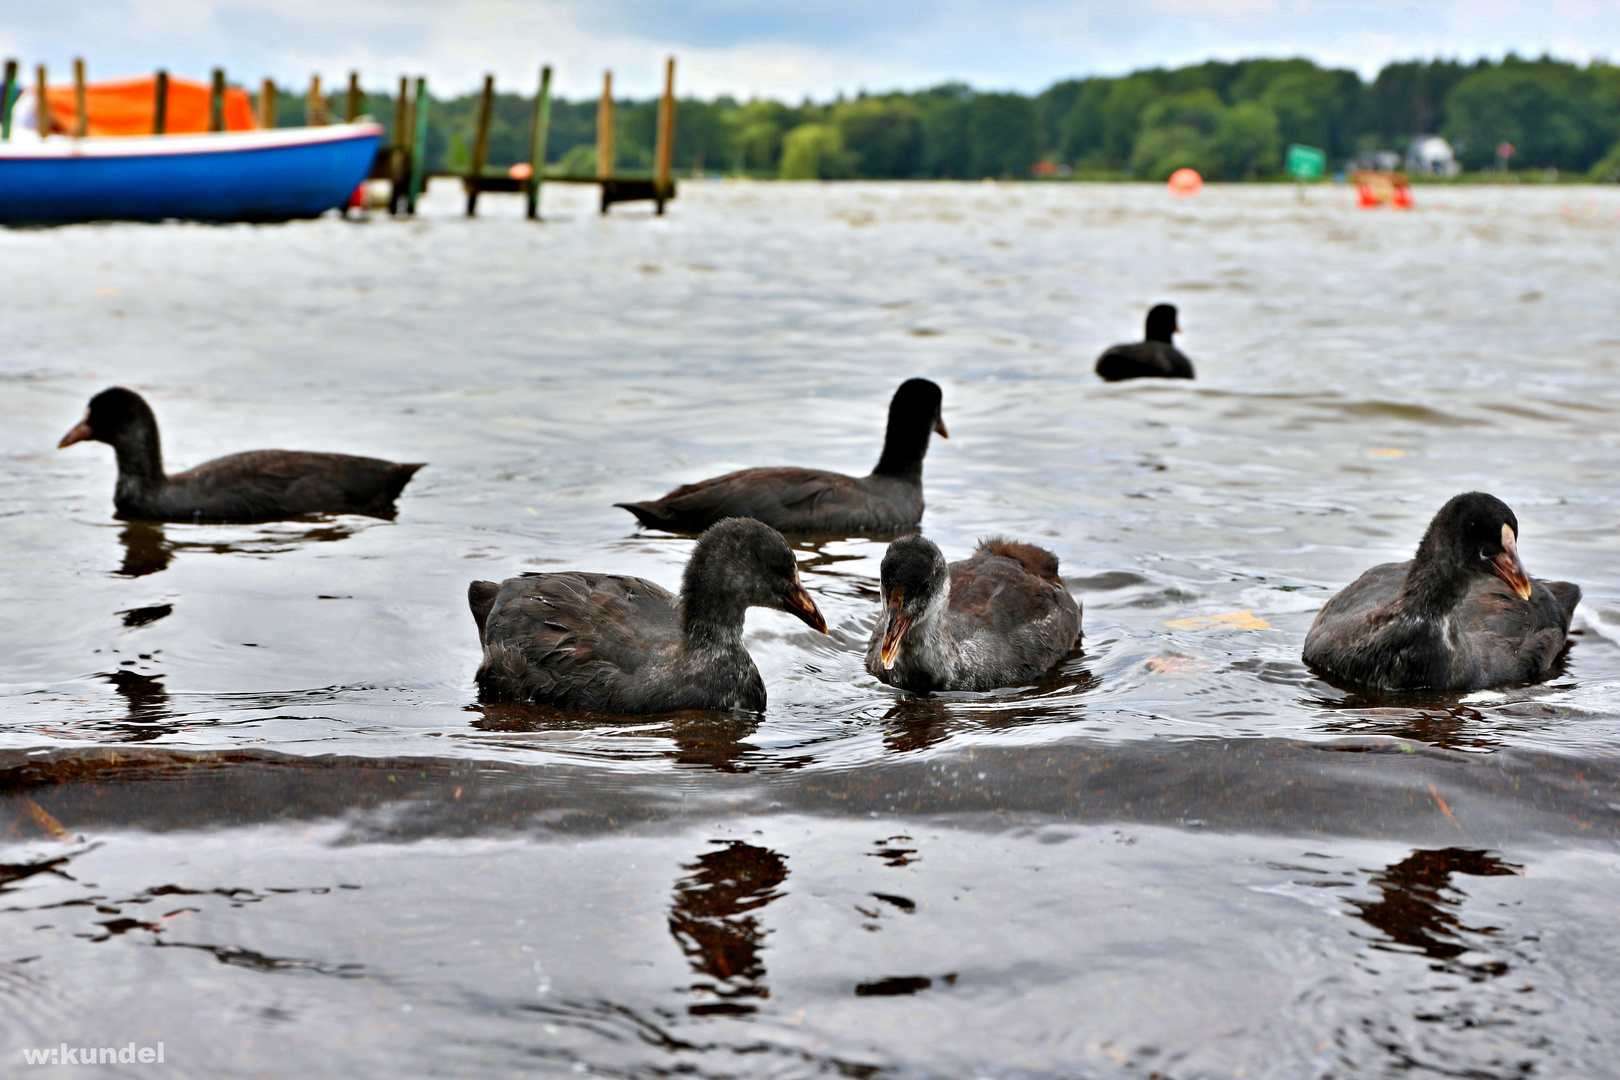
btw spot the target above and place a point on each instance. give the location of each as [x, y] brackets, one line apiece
[252, 807]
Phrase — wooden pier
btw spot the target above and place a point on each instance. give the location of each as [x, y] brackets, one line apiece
[527, 177]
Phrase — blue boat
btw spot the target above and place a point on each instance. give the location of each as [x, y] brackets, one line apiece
[272, 175]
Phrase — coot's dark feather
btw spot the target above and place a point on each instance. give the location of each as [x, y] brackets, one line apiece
[610, 643]
[998, 618]
[812, 501]
[1450, 619]
[1154, 357]
[260, 485]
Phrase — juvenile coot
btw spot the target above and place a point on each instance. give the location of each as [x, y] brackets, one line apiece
[260, 485]
[1462, 615]
[812, 502]
[1154, 358]
[998, 618]
[608, 643]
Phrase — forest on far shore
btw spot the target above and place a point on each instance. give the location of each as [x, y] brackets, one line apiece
[1229, 120]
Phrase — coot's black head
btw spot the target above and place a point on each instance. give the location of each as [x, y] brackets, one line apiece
[1477, 533]
[914, 414]
[914, 579]
[114, 414]
[742, 563]
[1161, 322]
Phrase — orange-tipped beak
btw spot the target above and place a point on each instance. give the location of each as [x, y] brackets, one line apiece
[896, 632]
[80, 432]
[1509, 568]
[939, 427]
[805, 608]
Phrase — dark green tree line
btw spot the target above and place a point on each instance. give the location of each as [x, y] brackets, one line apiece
[1228, 119]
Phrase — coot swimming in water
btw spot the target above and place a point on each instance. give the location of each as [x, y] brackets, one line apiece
[813, 502]
[608, 643]
[1462, 615]
[260, 485]
[1155, 357]
[998, 618]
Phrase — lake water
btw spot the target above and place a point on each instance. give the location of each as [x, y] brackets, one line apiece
[253, 809]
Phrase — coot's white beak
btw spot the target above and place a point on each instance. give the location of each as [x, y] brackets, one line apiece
[1509, 568]
[81, 432]
[898, 625]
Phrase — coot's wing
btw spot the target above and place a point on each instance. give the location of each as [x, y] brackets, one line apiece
[266, 484]
[1143, 359]
[1505, 639]
[1180, 366]
[1341, 641]
[570, 638]
[787, 499]
[1010, 624]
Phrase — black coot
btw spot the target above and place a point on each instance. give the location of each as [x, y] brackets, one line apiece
[812, 502]
[998, 618]
[608, 643]
[1155, 357]
[260, 485]
[1461, 615]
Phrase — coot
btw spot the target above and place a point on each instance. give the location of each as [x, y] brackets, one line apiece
[1461, 615]
[609, 643]
[812, 502]
[260, 485]
[998, 618]
[1154, 358]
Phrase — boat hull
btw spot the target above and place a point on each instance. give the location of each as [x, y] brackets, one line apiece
[272, 175]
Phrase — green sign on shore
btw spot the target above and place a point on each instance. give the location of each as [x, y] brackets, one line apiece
[1305, 162]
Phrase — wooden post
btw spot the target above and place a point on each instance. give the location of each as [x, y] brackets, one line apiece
[480, 148]
[418, 145]
[216, 101]
[354, 106]
[604, 129]
[5, 99]
[666, 137]
[604, 136]
[42, 107]
[314, 107]
[81, 113]
[267, 104]
[399, 152]
[160, 103]
[539, 132]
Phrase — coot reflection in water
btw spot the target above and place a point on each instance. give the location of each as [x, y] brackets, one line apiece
[717, 922]
[148, 548]
[1416, 911]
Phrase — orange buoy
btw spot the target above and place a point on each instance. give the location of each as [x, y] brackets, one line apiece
[521, 171]
[1185, 182]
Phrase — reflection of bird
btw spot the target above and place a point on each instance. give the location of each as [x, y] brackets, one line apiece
[713, 922]
[813, 502]
[622, 644]
[997, 618]
[260, 485]
[1412, 909]
[1461, 615]
[1154, 357]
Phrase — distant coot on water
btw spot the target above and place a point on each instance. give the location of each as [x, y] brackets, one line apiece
[621, 644]
[998, 618]
[1154, 358]
[1462, 615]
[260, 485]
[812, 502]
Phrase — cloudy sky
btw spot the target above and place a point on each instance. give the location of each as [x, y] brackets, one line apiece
[774, 48]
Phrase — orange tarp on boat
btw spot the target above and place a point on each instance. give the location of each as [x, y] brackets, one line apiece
[125, 107]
